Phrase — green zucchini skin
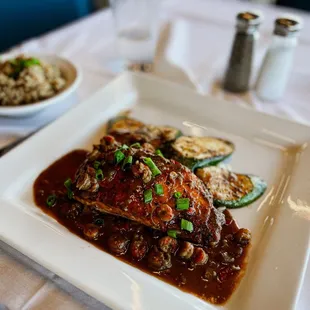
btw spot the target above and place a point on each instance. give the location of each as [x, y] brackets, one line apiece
[259, 187]
[194, 163]
[178, 133]
[112, 121]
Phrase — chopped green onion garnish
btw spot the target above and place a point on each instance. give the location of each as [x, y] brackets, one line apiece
[127, 162]
[187, 225]
[124, 147]
[136, 145]
[99, 175]
[182, 204]
[172, 233]
[30, 62]
[20, 64]
[155, 171]
[177, 194]
[68, 184]
[148, 196]
[159, 190]
[118, 156]
[96, 164]
[159, 153]
[51, 200]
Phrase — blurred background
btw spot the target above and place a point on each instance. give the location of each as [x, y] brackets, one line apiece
[193, 50]
[43, 16]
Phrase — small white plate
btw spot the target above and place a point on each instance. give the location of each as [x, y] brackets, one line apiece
[272, 148]
[73, 78]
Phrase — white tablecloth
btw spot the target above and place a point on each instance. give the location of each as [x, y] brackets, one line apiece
[90, 43]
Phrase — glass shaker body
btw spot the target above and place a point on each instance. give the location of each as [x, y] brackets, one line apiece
[277, 64]
[238, 72]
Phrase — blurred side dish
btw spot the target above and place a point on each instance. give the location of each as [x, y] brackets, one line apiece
[25, 80]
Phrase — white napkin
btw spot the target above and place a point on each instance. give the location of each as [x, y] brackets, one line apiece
[201, 50]
[198, 49]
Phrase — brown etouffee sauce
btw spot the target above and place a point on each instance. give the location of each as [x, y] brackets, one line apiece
[214, 282]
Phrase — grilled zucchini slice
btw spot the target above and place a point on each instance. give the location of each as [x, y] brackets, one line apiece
[129, 130]
[124, 124]
[231, 190]
[159, 136]
[198, 152]
[169, 134]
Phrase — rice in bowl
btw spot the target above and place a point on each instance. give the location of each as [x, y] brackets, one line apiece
[25, 80]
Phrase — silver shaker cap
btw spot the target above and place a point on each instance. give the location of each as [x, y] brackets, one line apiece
[285, 26]
[248, 21]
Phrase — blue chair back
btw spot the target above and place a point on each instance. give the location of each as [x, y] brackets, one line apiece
[23, 19]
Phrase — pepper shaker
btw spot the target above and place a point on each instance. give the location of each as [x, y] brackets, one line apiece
[274, 73]
[238, 72]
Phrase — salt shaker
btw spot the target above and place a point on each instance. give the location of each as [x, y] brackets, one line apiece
[238, 72]
[277, 63]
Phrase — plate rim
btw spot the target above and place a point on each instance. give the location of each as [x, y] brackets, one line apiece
[125, 76]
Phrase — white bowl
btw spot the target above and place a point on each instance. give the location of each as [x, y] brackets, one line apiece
[73, 78]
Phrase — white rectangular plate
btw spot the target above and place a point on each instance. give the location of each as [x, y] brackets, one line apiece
[272, 148]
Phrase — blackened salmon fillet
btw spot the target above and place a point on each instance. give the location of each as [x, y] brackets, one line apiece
[135, 183]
